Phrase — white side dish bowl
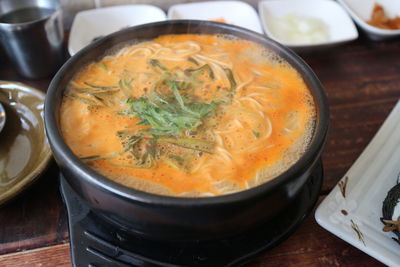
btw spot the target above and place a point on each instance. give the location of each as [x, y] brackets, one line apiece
[339, 26]
[94, 23]
[361, 10]
[232, 12]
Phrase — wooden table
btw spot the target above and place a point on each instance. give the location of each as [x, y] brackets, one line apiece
[362, 80]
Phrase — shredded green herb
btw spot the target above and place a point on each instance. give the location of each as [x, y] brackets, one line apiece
[256, 134]
[193, 144]
[179, 159]
[103, 66]
[229, 75]
[194, 61]
[85, 100]
[100, 87]
[125, 86]
[205, 67]
[157, 63]
[88, 158]
[93, 91]
[96, 157]
[169, 116]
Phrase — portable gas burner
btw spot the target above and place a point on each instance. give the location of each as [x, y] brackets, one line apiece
[97, 242]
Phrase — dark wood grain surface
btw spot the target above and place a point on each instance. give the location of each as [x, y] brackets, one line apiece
[362, 81]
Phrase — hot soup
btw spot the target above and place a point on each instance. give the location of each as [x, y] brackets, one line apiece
[188, 115]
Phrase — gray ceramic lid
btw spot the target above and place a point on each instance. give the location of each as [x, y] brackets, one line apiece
[24, 150]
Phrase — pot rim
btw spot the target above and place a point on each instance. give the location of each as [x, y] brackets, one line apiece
[62, 151]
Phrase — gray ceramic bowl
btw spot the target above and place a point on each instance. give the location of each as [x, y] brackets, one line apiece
[23, 144]
[169, 218]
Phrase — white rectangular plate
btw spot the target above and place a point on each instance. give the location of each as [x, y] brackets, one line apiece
[355, 215]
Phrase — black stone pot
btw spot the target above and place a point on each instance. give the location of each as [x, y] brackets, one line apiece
[173, 218]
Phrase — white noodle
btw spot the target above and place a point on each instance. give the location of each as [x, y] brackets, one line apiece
[195, 47]
[147, 51]
[208, 59]
[286, 130]
[218, 71]
[238, 123]
[219, 140]
[206, 194]
[256, 94]
[224, 153]
[264, 87]
[235, 101]
[240, 86]
[155, 46]
[268, 134]
[251, 100]
[225, 189]
[222, 132]
[175, 53]
[257, 178]
[256, 72]
[161, 50]
[199, 165]
[171, 58]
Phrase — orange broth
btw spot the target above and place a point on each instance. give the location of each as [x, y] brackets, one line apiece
[261, 125]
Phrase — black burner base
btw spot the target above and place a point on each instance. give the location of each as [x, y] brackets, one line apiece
[95, 242]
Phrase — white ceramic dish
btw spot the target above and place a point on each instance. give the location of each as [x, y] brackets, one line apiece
[233, 12]
[341, 27]
[361, 10]
[355, 215]
[94, 23]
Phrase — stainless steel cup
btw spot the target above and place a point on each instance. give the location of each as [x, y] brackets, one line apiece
[31, 33]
